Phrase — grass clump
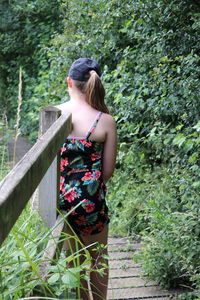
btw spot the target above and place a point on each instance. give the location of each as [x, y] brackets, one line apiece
[21, 256]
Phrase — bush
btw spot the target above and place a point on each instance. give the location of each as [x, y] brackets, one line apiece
[149, 51]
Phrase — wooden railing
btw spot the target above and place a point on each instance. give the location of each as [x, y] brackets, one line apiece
[40, 166]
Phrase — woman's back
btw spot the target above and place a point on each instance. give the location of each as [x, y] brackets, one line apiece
[82, 152]
[83, 117]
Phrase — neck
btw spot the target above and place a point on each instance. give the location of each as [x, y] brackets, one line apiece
[76, 95]
[78, 98]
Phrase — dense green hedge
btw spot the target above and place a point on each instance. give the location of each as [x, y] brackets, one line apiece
[26, 28]
[149, 51]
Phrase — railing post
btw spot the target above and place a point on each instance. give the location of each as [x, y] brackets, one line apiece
[48, 191]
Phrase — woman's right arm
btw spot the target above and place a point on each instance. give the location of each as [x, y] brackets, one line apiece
[110, 148]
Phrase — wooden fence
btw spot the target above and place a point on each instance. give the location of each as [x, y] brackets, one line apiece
[40, 166]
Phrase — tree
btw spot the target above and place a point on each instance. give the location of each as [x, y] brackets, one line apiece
[25, 30]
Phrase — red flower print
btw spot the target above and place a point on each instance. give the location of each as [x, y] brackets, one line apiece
[62, 181]
[87, 144]
[70, 195]
[88, 205]
[87, 230]
[100, 226]
[88, 176]
[97, 174]
[62, 150]
[63, 189]
[91, 176]
[95, 156]
[73, 212]
[77, 170]
[80, 220]
[63, 163]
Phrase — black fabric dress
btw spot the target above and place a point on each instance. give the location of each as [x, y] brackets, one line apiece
[81, 183]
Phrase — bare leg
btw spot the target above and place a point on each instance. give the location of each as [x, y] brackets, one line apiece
[98, 283]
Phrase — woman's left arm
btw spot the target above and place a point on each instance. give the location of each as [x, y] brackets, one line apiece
[110, 148]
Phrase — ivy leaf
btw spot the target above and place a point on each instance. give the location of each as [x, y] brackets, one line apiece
[197, 126]
[179, 139]
[70, 279]
[54, 278]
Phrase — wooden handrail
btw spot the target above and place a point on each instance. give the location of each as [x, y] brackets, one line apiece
[18, 186]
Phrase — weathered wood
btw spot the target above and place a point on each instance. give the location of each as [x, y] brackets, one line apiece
[18, 186]
[126, 279]
[132, 282]
[130, 272]
[122, 264]
[135, 292]
[48, 190]
[48, 115]
[124, 247]
[121, 255]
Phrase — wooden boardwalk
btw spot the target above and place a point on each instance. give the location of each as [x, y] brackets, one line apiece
[126, 281]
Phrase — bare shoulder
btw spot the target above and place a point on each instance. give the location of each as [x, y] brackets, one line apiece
[108, 120]
[64, 107]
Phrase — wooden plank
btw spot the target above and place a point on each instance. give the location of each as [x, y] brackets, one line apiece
[48, 190]
[164, 297]
[126, 281]
[18, 186]
[124, 247]
[122, 264]
[125, 273]
[121, 255]
[119, 240]
[130, 282]
[146, 292]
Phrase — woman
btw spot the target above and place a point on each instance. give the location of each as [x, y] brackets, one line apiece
[87, 162]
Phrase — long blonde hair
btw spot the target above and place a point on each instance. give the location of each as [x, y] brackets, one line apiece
[94, 91]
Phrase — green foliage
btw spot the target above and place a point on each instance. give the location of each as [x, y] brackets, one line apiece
[171, 255]
[149, 51]
[26, 28]
[21, 257]
[195, 295]
[17, 278]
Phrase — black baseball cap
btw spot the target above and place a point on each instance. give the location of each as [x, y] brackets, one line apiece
[81, 67]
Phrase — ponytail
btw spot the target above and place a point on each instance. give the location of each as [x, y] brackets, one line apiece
[94, 91]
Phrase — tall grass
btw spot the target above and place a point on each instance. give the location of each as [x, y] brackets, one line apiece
[22, 254]
[19, 103]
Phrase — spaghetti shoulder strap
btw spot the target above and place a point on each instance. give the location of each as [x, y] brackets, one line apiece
[94, 124]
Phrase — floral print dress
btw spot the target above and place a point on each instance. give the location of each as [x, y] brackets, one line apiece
[81, 183]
